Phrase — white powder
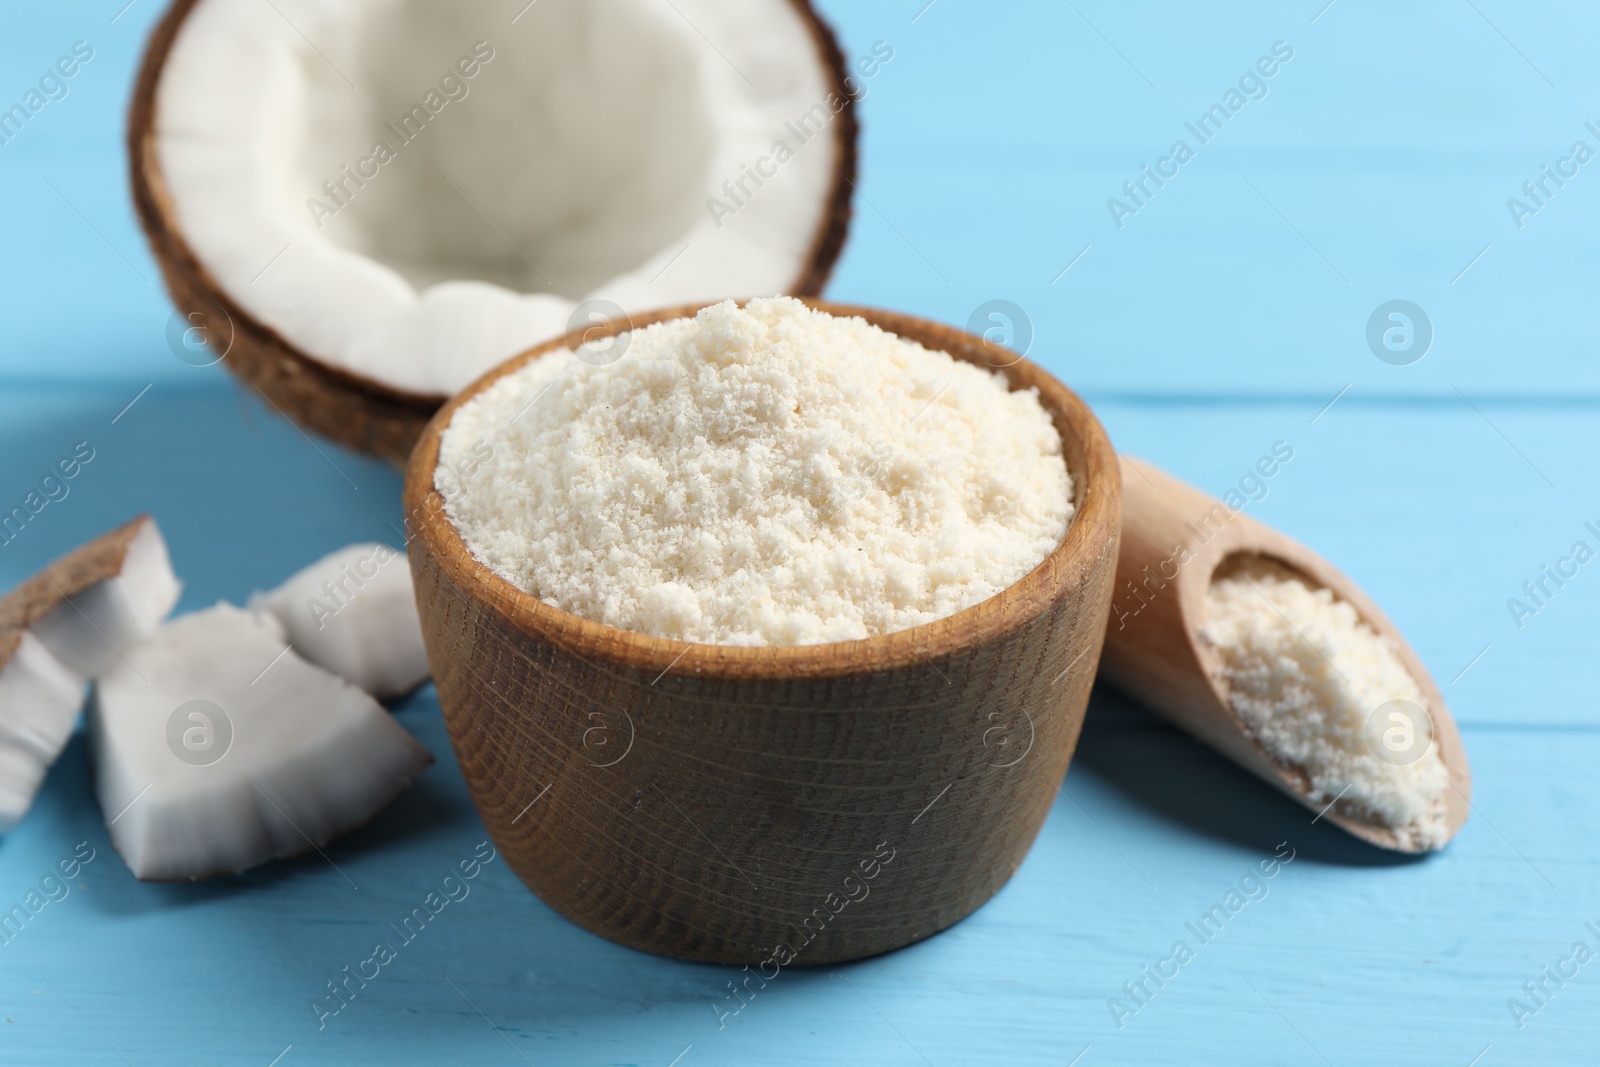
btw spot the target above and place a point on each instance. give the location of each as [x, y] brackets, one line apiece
[1306, 675]
[772, 475]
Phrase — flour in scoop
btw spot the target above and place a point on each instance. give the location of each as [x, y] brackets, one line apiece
[1322, 691]
[766, 475]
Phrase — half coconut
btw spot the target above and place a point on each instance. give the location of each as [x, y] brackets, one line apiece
[363, 205]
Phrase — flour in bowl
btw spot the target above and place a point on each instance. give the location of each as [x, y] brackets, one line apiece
[766, 475]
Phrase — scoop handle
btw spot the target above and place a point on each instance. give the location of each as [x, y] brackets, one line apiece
[1173, 538]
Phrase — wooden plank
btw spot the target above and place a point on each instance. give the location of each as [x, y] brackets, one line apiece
[1215, 322]
[1441, 511]
[1151, 832]
[1155, 831]
[1356, 180]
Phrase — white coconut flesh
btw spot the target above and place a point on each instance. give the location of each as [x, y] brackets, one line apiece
[354, 613]
[92, 629]
[490, 165]
[216, 748]
[39, 701]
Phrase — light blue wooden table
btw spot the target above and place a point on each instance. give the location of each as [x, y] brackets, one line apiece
[1227, 313]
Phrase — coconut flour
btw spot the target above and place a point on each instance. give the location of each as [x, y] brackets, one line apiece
[771, 475]
[1324, 692]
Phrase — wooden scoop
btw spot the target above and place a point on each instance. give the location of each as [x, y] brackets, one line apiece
[1174, 538]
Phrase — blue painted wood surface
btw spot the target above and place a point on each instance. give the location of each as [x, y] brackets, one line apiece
[1223, 316]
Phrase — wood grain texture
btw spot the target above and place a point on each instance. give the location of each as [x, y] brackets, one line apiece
[346, 407]
[1174, 539]
[716, 803]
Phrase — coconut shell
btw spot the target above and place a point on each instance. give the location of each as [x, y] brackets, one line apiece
[88, 565]
[10, 641]
[353, 410]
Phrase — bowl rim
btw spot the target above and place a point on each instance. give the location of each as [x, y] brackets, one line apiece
[1090, 541]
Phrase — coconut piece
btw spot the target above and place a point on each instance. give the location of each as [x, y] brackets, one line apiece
[217, 748]
[39, 701]
[66, 624]
[353, 612]
[364, 225]
[95, 604]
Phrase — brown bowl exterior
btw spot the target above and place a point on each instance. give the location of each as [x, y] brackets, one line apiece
[778, 805]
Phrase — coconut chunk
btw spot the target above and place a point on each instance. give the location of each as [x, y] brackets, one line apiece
[217, 748]
[64, 625]
[97, 603]
[39, 701]
[353, 612]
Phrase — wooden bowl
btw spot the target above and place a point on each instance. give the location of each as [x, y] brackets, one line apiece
[774, 805]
